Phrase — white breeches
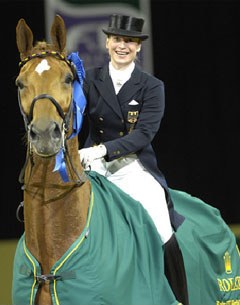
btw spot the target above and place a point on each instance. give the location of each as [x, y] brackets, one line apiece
[129, 174]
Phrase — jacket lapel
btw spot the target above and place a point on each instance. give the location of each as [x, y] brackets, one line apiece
[105, 87]
[129, 89]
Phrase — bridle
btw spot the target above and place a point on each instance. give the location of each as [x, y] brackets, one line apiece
[66, 117]
[81, 178]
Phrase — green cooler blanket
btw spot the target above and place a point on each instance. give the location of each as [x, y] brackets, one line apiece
[118, 259]
[211, 255]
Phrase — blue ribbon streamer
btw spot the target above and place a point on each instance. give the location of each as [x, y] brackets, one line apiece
[79, 100]
[79, 104]
[60, 165]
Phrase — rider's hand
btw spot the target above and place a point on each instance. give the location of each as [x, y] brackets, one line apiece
[88, 155]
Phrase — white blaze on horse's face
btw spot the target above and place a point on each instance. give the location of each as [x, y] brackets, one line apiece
[42, 66]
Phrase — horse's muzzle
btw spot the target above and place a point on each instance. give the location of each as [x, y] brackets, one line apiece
[45, 138]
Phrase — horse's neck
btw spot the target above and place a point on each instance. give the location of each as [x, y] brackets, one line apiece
[54, 212]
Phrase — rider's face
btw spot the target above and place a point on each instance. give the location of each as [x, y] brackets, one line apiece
[122, 50]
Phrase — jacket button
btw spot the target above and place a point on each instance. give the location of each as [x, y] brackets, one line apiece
[101, 131]
[121, 133]
[100, 118]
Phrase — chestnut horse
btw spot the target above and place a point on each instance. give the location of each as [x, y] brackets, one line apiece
[65, 211]
[46, 195]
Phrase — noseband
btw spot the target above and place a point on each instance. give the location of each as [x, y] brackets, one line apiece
[28, 118]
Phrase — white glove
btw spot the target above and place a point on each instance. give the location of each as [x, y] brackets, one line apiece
[88, 155]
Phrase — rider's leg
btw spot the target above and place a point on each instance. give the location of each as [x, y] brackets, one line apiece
[134, 179]
[175, 270]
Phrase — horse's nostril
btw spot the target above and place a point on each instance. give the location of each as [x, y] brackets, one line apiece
[56, 132]
[33, 134]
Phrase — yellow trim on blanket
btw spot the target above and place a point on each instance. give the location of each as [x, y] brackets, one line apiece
[34, 271]
[73, 250]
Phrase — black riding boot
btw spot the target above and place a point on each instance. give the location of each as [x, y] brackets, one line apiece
[175, 270]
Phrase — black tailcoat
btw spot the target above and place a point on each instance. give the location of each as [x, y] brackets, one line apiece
[127, 122]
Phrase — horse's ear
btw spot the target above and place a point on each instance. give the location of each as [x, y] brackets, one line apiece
[24, 38]
[58, 34]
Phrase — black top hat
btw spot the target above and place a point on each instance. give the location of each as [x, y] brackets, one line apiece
[125, 26]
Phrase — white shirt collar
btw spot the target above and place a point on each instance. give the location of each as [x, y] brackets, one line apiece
[127, 71]
[119, 77]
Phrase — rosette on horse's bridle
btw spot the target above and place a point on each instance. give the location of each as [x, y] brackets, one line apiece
[77, 107]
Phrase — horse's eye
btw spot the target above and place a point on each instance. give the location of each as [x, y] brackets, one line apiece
[19, 84]
[69, 79]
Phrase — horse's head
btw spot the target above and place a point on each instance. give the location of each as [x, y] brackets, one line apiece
[45, 88]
